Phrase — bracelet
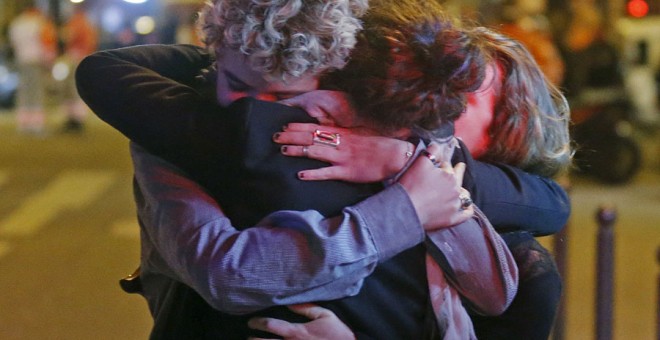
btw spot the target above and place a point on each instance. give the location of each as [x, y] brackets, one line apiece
[399, 171]
[410, 150]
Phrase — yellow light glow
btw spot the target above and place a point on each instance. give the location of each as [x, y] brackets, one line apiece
[60, 71]
[145, 25]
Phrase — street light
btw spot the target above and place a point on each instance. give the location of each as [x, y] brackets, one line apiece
[145, 25]
[136, 1]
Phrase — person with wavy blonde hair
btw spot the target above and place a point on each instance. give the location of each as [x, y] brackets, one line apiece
[529, 126]
[518, 117]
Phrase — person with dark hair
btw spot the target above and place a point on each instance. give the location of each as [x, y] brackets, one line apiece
[546, 151]
[516, 117]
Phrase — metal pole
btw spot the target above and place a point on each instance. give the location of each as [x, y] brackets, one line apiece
[606, 217]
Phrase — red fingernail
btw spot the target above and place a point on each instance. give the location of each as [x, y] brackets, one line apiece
[284, 149]
[276, 136]
[301, 175]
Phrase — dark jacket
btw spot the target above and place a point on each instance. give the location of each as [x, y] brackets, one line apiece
[183, 125]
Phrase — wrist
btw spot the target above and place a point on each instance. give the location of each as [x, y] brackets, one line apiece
[403, 155]
[401, 160]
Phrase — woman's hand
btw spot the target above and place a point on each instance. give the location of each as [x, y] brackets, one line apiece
[435, 190]
[360, 157]
[324, 325]
[331, 108]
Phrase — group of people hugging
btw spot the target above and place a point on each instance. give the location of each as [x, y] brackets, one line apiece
[340, 169]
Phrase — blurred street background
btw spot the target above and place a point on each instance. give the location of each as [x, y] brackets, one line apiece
[67, 223]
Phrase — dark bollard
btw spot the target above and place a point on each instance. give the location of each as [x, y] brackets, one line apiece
[606, 217]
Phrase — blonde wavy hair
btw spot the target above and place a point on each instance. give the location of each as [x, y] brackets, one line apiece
[284, 38]
[530, 127]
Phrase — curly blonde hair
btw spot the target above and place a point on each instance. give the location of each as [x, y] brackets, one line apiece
[285, 38]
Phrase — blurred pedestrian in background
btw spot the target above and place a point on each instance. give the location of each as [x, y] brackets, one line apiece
[33, 38]
[81, 39]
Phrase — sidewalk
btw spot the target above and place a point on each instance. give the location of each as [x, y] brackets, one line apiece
[637, 240]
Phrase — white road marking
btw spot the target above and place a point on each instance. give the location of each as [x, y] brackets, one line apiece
[72, 189]
[127, 228]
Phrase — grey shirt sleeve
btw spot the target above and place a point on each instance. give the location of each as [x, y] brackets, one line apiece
[477, 263]
[289, 257]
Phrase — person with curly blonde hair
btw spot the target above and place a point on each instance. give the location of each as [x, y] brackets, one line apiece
[283, 39]
[195, 276]
[282, 44]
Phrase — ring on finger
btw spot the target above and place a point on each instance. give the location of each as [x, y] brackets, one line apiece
[305, 151]
[466, 201]
[431, 158]
[326, 138]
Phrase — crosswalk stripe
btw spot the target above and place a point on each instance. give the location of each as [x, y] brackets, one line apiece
[72, 189]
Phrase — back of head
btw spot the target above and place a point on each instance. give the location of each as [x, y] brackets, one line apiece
[286, 38]
[411, 68]
[530, 127]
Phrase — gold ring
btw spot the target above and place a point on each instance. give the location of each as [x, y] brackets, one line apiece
[326, 138]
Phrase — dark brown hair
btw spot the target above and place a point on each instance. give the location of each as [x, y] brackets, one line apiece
[411, 67]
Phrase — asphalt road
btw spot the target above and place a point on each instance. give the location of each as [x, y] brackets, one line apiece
[68, 233]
